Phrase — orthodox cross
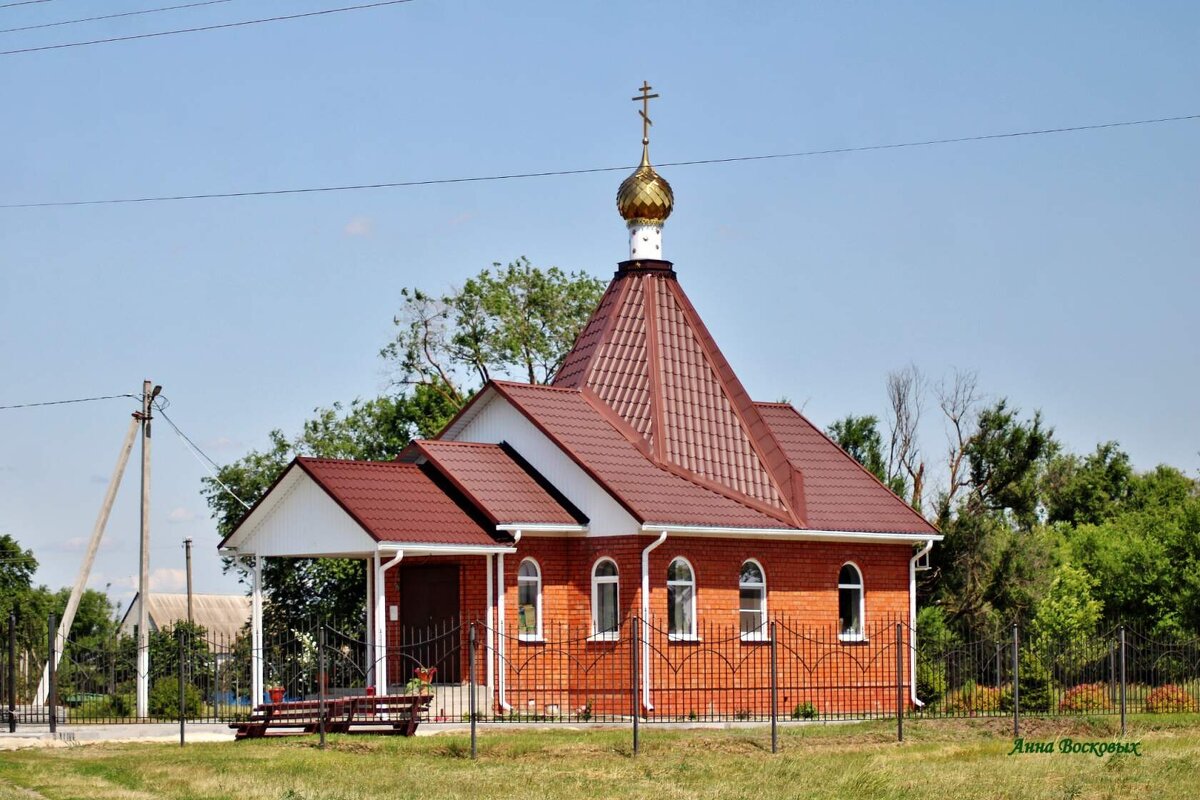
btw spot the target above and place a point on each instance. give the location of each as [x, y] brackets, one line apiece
[645, 97]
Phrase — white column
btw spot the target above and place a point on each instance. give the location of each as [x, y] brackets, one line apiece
[490, 646]
[380, 643]
[256, 634]
[501, 648]
[369, 609]
[381, 619]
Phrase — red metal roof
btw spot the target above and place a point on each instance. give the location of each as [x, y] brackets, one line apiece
[397, 502]
[650, 492]
[840, 495]
[498, 482]
[647, 355]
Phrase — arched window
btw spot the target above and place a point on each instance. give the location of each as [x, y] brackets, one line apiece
[681, 599]
[752, 603]
[529, 600]
[605, 588]
[850, 602]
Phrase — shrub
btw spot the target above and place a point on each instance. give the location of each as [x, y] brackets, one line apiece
[742, 714]
[107, 707]
[805, 710]
[1170, 698]
[164, 699]
[1037, 686]
[931, 681]
[972, 699]
[1086, 697]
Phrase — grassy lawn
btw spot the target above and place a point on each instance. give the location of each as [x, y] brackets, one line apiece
[945, 759]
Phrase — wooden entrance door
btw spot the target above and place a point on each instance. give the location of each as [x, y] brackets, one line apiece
[429, 621]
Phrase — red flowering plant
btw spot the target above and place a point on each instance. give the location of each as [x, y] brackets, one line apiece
[421, 681]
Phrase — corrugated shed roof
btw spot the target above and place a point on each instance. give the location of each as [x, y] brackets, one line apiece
[222, 615]
[840, 495]
[498, 482]
[648, 491]
[398, 502]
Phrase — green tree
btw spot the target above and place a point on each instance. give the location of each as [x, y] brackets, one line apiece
[1090, 489]
[859, 436]
[1068, 612]
[17, 568]
[1003, 459]
[516, 322]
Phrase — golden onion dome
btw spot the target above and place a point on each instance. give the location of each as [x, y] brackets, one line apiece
[645, 197]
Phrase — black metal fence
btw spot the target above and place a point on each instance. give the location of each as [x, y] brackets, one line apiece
[640, 673]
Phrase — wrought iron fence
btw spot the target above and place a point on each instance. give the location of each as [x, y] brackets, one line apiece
[642, 672]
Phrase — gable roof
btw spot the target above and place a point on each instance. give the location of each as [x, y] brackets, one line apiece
[398, 502]
[497, 481]
[647, 355]
[839, 493]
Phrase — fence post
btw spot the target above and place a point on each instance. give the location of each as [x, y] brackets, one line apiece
[774, 692]
[52, 697]
[321, 681]
[471, 686]
[1016, 678]
[899, 683]
[181, 633]
[633, 659]
[12, 671]
[1122, 680]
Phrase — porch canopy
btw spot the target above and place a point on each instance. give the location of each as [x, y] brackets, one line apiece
[438, 498]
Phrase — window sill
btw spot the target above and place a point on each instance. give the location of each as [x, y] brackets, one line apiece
[682, 637]
[531, 638]
[852, 638]
[756, 638]
[604, 637]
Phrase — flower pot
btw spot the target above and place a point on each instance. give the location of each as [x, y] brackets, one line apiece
[276, 693]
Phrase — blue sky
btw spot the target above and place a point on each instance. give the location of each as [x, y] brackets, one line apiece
[1064, 269]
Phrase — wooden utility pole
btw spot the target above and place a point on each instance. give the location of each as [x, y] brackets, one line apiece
[187, 555]
[143, 634]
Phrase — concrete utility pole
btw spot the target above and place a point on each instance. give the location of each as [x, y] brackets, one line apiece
[143, 634]
[68, 617]
[187, 555]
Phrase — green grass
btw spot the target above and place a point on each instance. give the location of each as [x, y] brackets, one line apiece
[940, 758]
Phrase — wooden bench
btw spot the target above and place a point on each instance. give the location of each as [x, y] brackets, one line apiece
[387, 714]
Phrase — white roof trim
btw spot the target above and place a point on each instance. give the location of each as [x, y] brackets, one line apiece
[530, 527]
[795, 534]
[433, 548]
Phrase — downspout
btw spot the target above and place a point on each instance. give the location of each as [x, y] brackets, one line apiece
[662, 537]
[502, 678]
[490, 645]
[912, 621]
[381, 676]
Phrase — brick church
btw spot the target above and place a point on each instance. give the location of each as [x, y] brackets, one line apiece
[643, 495]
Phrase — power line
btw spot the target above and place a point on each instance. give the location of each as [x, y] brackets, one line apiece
[24, 3]
[211, 467]
[203, 28]
[66, 402]
[112, 16]
[589, 170]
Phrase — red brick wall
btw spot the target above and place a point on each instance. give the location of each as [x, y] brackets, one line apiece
[720, 674]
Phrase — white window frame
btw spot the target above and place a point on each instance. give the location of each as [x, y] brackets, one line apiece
[536, 580]
[763, 634]
[689, 636]
[861, 586]
[597, 580]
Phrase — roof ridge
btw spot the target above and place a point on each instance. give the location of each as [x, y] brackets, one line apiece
[545, 386]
